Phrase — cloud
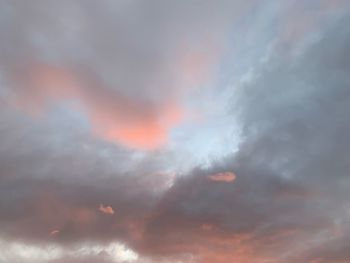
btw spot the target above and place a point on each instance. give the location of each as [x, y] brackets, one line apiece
[289, 203]
[222, 177]
[106, 209]
[107, 253]
[126, 68]
[114, 117]
[54, 232]
[130, 68]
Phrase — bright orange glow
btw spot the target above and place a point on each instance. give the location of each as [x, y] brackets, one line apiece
[146, 132]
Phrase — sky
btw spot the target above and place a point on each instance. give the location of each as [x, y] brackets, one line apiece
[174, 131]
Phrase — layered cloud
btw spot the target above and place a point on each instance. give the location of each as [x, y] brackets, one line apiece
[132, 122]
[126, 64]
[106, 106]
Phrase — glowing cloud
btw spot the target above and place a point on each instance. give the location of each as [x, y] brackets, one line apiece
[106, 209]
[113, 116]
[223, 177]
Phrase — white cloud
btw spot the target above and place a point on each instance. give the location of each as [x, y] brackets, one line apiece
[17, 251]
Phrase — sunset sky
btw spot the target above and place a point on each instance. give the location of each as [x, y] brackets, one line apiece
[174, 131]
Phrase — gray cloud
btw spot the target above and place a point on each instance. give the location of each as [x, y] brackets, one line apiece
[290, 199]
[291, 193]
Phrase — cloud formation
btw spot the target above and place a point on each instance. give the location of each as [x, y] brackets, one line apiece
[112, 116]
[104, 106]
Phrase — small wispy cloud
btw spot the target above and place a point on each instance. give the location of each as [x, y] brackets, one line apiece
[54, 232]
[106, 209]
[223, 177]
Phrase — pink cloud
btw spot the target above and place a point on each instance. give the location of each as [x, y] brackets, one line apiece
[223, 177]
[113, 116]
[54, 232]
[106, 209]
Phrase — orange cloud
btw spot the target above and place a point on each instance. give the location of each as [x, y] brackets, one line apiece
[223, 177]
[144, 132]
[113, 116]
[106, 209]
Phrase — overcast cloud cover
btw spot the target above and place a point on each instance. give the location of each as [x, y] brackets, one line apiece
[174, 131]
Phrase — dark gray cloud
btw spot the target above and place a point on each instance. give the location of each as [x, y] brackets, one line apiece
[291, 196]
